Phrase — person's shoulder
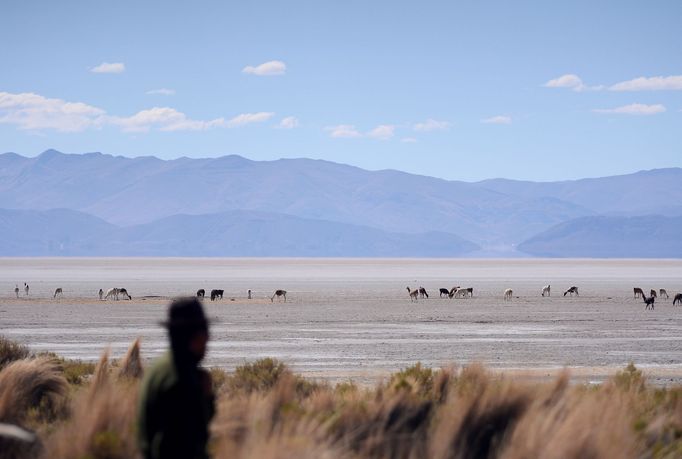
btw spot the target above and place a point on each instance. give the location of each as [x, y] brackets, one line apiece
[162, 372]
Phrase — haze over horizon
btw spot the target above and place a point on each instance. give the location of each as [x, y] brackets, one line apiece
[460, 91]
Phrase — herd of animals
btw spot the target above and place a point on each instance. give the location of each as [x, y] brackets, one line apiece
[458, 292]
[115, 293]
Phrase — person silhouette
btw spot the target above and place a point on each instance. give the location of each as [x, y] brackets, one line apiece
[176, 400]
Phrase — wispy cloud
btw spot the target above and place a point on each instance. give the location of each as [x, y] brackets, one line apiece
[162, 91]
[29, 111]
[290, 122]
[266, 69]
[499, 119]
[382, 132]
[569, 80]
[343, 131]
[658, 83]
[431, 125]
[106, 67]
[633, 109]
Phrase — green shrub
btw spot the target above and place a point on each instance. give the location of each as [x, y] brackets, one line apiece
[11, 351]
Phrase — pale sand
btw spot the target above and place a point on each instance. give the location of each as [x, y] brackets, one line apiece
[352, 318]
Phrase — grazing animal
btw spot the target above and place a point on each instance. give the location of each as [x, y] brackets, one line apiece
[16, 290]
[453, 290]
[639, 293]
[413, 294]
[663, 293]
[124, 292]
[649, 302]
[572, 290]
[422, 292]
[470, 292]
[547, 290]
[677, 299]
[444, 291]
[113, 293]
[201, 293]
[101, 294]
[26, 288]
[508, 294]
[652, 293]
[215, 293]
[59, 292]
[279, 293]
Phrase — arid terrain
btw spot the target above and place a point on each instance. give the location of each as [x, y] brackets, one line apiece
[353, 318]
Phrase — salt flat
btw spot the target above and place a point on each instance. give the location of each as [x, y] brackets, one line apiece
[352, 318]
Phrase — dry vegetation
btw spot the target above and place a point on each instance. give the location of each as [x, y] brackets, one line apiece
[265, 411]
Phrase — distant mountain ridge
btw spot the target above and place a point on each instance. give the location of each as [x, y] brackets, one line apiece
[650, 236]
[63, 232]
[495, 215]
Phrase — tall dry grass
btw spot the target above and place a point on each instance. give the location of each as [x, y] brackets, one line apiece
[266, 411]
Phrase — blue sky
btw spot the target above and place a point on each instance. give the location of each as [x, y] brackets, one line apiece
[459, 90]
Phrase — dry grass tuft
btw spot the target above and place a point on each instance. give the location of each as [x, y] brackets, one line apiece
[131, 366]
[11, 351]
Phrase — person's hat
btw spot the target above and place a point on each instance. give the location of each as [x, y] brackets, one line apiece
[186, 313]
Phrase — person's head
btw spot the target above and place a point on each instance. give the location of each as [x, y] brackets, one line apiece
[187, 328]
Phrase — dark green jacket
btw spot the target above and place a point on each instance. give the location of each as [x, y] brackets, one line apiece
[174, 411]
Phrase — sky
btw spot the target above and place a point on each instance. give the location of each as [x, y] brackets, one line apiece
[463, 90]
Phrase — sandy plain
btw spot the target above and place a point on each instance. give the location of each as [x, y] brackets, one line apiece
[352, 318]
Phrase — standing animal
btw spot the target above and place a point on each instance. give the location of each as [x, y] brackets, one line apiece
[215, 293]
[677, 299]
[279, 293]
[26, 288]
[470, 292]
[444, 291]
[546, 290]
[124, 292]
[649, 302]
[113, 293]
[572, 290]
[413, 294]
[101, 294]
[639, 293]
[508, 294]
[249, 294]
[663, 293]
[422, 292]
[16, 290]
[453, 290]
[59, 292]
[652, 293]
[201, 293]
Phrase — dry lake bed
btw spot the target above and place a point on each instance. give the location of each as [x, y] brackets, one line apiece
[353, 318]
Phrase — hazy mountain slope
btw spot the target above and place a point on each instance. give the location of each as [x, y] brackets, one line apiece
[51, 232]
[641, 193]
[235, 233]
[129, 191]
[650, 236]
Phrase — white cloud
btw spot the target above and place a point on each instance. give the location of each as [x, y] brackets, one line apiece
[162, 91]
[105, 67]
[34, 112]
[248, 118]
[290, 122]
[567, 81]
[408, 140]
[633, 109]
[266, 69]
[499, 119]
[431, 125]
[659, 83]
[340, 131]
[382, 132]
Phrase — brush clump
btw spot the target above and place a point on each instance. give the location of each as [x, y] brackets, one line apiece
[264, 410]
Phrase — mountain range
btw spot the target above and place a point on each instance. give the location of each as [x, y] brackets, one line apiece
[98, 204]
